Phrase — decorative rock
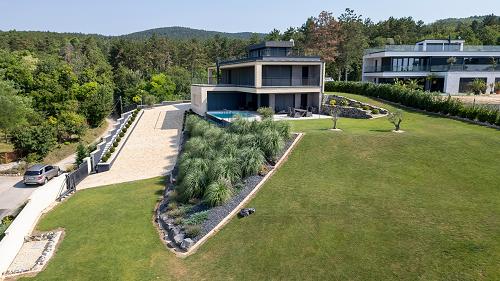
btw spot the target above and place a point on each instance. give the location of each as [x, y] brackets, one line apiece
[179, 238]
[174, 231]
[245, 212]
[187, 243]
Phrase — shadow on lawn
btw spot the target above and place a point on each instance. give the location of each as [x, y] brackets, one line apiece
[381, 130]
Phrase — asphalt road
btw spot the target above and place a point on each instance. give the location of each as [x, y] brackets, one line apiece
[13, 193]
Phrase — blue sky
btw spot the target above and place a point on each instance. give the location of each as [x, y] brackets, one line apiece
[113, 17]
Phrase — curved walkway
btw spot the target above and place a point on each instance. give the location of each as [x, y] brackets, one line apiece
[150, 151]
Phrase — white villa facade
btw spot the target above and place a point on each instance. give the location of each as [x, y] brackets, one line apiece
[270, 76]
[446, 66]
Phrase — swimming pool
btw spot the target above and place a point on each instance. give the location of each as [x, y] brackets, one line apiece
[231, 114]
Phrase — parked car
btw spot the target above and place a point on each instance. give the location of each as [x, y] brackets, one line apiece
[40, 174]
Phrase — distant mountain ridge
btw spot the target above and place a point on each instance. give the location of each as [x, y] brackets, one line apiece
[179, 32]
[466, 20]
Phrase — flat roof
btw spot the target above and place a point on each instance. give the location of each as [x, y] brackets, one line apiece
[271, 44]
[274, 59]
[441, 41]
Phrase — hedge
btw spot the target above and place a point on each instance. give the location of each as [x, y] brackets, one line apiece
[432, 102]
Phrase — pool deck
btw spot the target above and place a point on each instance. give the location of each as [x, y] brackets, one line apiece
[256, 116]
[280, 117]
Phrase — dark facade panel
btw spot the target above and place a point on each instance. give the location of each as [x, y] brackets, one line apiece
[231, 101]
[282, 102]
[242, 76]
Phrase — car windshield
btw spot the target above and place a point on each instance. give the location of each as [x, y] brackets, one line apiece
[32, 173]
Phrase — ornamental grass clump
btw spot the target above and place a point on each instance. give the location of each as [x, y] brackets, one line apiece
[215, 159]
[218, 192]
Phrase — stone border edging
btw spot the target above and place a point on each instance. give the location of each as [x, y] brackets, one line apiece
[457, 118]
[247, 199]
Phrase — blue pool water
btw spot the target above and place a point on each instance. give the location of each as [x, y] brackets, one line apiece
[231, 114]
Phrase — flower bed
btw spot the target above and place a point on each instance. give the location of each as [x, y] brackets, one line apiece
[352, 108]
[218, 169]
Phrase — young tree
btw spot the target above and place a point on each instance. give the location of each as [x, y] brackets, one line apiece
[161, 86]
[36, 140]
[14, 109]
[396, 118]
[352, 43]
[97, 105]
[335, 113]
[81, 153]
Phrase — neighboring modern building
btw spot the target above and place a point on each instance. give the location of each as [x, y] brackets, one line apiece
[269, 76]
[446, 66]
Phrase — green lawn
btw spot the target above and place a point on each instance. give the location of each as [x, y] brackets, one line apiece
[362, 204]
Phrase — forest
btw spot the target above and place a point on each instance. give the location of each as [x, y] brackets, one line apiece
[55, 86]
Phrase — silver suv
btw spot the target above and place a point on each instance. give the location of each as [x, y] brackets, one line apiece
[40, 174]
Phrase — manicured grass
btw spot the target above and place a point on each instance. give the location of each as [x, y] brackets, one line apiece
[362, 204]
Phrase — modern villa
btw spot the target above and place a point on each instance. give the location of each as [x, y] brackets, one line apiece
[446, 66]
[271, 75]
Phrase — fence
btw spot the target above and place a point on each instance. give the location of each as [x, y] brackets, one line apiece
[74, 178]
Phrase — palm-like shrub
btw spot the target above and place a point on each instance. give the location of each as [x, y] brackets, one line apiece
[193, 176]
[193, 184]
[197, 147]
[191, 120]
[218, 192]
[250, 158]
[199, 129]
[225, 167]
[271, 143]
[248, 140]
[214, 159]
[283, 129]
[240, 126]
[266, 112]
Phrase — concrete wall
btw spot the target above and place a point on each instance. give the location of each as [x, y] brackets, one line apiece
[452, 79]
[199, 99]
[27, 219]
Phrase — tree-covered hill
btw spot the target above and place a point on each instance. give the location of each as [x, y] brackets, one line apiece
[179, 32]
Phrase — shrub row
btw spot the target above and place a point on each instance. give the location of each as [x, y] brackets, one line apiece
[432, 102]
[215, 159]
[113, 147]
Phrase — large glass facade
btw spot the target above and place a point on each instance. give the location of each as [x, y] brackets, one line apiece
[401, 64]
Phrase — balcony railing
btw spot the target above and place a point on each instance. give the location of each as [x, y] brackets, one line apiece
[289, 82]
[447, 48]
[433, 68]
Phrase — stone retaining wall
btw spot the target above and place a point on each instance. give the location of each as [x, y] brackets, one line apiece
[354, 109]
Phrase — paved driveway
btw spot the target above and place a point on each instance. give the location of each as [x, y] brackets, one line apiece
[13, 193]
[150, 150]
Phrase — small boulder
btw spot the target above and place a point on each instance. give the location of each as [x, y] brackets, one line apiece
[178, 238]
[245, 212]
[174, 231]
[187, 243]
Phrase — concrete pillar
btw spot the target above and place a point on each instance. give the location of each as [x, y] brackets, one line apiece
[258, 75]
[297, 101]
[271, 101]
[490, 81]
[451, 83]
